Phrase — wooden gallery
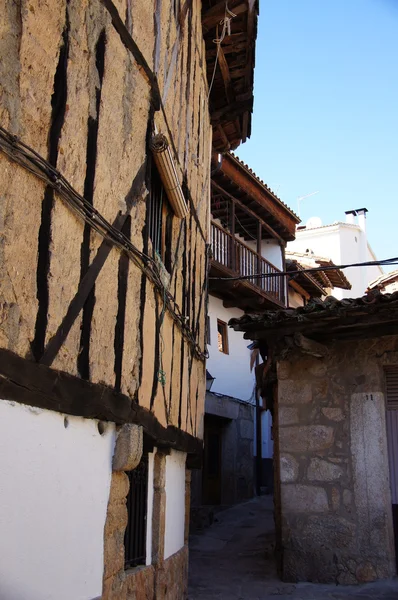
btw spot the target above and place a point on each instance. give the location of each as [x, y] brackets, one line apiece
[109, 114]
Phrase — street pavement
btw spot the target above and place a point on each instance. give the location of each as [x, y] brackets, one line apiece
[234, 560]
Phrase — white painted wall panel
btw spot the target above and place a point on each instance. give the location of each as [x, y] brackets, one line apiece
[149, 512]
[54, 490]
[175, 502]
[232, 371]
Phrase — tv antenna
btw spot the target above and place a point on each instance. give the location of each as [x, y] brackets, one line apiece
[300, 198]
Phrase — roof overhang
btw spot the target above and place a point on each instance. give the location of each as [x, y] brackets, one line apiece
[231, 79]
[372, 316]
[239, 182]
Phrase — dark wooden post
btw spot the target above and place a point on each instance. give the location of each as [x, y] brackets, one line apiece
[232, 229]
[284, 280]
[259, 280]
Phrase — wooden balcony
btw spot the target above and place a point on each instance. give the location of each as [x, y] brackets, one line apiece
[232, 258]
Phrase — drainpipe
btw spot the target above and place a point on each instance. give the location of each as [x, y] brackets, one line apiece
[259, 450]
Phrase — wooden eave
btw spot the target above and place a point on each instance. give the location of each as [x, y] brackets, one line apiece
[231, 97]
[311, 285]
[239, 183]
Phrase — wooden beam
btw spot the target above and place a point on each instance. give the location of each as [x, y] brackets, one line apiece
[249, 184]
[214, 15]
[297, 287]
[37, 385]
[224, 138]
[229, 90]
[248, 210]
[231, 111]
[311, 347]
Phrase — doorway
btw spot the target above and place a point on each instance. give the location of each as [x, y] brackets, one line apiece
[212, 460]
[391, 376]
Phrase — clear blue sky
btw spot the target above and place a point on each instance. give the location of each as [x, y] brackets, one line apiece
[326, 110]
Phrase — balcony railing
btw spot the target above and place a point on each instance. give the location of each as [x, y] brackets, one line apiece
[230, 252]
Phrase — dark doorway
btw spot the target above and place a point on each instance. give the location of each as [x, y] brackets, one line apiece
[212, 460]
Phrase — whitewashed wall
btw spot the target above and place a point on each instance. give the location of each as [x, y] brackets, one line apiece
[55, 473]
[343, 243]
[149, 512]
[232, 371]
[175, 502]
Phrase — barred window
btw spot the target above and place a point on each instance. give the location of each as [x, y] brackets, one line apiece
[135, 536]
[160, 219]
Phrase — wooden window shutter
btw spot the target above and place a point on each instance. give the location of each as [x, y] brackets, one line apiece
[392, 387]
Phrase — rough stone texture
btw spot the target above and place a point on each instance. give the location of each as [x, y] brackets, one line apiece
[289, 392]
[288, 415]
[128, 448]
[334, 414]
[303, 498]
[172, 577]
[332, 464]
[163, 579]
[321, 470]
[289, 468]
[306, 438]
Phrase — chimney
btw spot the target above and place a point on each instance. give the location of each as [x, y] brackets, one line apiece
[350, 216]
[361, 212]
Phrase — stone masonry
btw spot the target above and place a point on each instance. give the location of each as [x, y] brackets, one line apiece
[163, 579]
[332, 464]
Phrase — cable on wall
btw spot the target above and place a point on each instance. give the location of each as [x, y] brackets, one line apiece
[29, 159]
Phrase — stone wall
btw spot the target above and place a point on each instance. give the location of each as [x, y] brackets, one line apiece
[332, 464]
[236, 420]
[162, 579]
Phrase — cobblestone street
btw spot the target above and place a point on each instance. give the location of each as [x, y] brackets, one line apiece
[233, 560]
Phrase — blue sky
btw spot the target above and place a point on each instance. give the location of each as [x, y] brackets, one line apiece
[326, 110]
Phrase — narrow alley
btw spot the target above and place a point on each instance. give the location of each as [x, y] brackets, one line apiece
[233, 560]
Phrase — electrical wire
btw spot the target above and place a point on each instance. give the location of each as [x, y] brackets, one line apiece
[29, 159]
[372, 263]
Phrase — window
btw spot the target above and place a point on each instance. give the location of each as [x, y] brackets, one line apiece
[222, 332]
[391, 377]
[136, 530]
[208, 331]
[160, 220]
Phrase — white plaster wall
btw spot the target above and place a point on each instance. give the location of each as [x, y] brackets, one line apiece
[232, 371]
[54, 490]
[344, 244]
[295, 299]
[149, 512]
[175, 502]
[267, 444]
[270, 249]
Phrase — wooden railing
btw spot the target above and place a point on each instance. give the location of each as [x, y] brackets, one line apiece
[242, 260]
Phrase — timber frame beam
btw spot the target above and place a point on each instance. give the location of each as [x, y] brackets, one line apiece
[250, 212]
[36, 385]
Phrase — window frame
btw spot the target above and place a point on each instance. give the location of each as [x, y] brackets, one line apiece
[224, 336]
[135, 538]
[160, 220]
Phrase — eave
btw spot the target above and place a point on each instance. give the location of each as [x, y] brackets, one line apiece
[231, 96]
[238, 182]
